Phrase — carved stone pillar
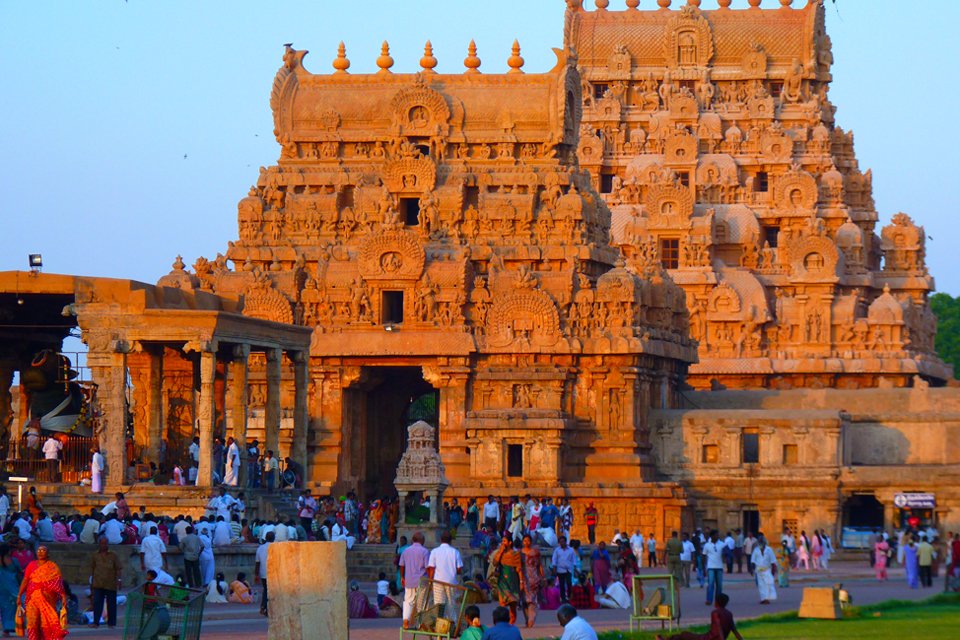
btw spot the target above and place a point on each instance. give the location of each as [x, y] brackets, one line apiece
[155, 433]
[6, 405]
[237, 379]
[206, 414]
[271, 414]
[301, 415]
[109, 370]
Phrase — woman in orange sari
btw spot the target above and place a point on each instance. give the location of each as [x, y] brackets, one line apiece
[34, 506]
[373, 522]
[43, 588]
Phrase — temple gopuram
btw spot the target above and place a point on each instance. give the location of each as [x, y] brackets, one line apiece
[649, 278]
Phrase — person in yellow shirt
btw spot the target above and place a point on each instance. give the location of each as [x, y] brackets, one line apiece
[925, 556]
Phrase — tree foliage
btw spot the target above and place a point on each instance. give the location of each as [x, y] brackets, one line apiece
[947, 310]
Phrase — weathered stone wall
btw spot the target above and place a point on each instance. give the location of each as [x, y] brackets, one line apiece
[308, 590]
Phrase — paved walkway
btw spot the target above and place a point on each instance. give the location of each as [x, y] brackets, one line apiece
[230, 622]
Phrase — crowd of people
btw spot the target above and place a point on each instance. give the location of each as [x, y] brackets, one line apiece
[921, 552]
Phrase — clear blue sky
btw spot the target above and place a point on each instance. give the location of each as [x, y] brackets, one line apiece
[101, 100]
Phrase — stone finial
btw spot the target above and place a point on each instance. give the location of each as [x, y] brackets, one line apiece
[178, 264]
[633, 4]
[754, 4]
[384, 61]
[428, 62]
[724, 4]
[602, 4]
[472, 62]
[664, 4]
[515, 61]
[341, 64]
[786, 3]
[694, 3]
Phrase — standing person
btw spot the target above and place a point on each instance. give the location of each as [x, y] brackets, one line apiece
[444, 565]
[532, 570]
[564, 562]
[827, 550]
[413, 566]
[803, 552]
[517, 513]
[738, 549]
[590, 519]
[911, 562]
[600, 567]
[232, 474]
[105, 573]
[194, 451]
[270, 467]
[190, 547]
[308, 509]
[881, 551]
[686, 559]
[51, 453]
[765, 563]
[351, 514]
[749, 544]
[153, 552]
[549, 514]
[674, 548]
[10, 571]
[217, 460]
[637, 546]
[783, 567]
[729, 545]
[566, 518]
[491, 513]
[504, 575]
[473, 516]
[721, 624]
[651, 551]
[925, 556]
[574, 627]
[207, 561]
[96, 470]
[713, 553]
[260, 572]
[253, 464]
[34, 506]
[4, 507]
[816, 549]
[42, 592]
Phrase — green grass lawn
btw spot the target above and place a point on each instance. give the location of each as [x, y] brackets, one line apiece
[934, 619]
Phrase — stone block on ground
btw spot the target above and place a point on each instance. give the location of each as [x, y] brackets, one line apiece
[820, 602]
[307, 583]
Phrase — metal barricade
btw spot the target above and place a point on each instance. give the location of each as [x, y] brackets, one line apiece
[163, 612]
[437, 611]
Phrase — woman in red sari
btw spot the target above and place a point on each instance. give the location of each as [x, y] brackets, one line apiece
[43, 586]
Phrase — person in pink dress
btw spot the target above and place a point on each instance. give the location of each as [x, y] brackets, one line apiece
[816, 550]
[880, 550]
[803, 551]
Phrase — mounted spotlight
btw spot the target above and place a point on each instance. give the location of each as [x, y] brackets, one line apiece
[36, 262]
[391, 327]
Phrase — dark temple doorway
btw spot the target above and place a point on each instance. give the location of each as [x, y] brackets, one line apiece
[387, 401]
[863, 510]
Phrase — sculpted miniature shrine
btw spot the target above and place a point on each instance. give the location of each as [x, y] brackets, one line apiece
[649, 278]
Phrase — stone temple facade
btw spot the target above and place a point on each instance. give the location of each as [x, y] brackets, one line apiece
[649, 278]
[711, 136]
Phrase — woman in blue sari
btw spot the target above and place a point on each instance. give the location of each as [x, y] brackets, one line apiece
[9, 588]
[912, 564]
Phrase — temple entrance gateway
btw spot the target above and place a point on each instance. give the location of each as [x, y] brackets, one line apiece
[863, 510]
[377, 411]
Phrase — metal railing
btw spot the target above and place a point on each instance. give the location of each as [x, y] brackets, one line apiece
[26, 459]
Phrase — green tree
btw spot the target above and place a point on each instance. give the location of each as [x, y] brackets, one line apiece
[947, 310]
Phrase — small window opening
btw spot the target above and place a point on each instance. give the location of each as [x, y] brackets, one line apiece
[751, 447]
[762, 182]
[790, 454]
[599, 89]
[689, 84]
[684, 178]
[514, 460]
[472, 198]
[776, 88]
[670, 253]
[410, 209]
[711, 454]
[391, 309]
[770, 235]
[606, 183]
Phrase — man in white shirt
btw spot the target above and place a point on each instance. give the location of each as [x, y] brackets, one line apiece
[97, 465]
[574, 627]
[51, 453]
[764, 561]
[267, 528]
[260, 572]
[731, 544]
[491, 514]
[636, 545]
[112, 529]
[221, 533]
[686, 558]
[91, 530]
[180, 528]
[4, 508]
[160, 576]
[23, 526]
[713, 552]
[153, 551]
[444, 565]
[281, 533]
[232, 475]
[222, 504]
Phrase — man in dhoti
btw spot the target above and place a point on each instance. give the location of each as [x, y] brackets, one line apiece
[96, 471]
[765, 564]
[233, 463]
